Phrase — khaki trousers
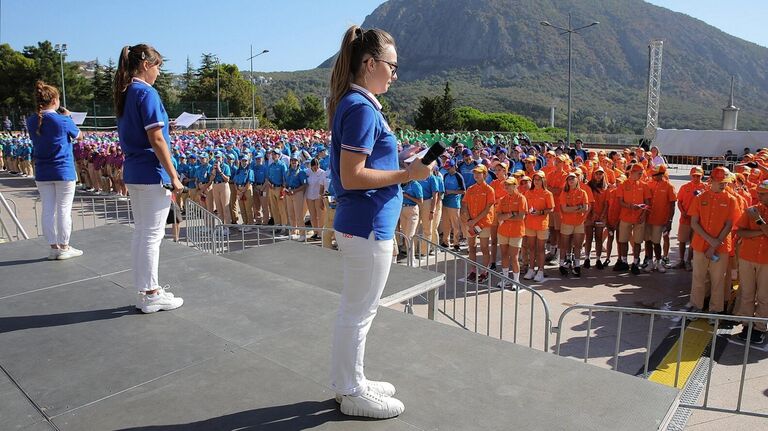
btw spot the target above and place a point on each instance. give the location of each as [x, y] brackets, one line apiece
[260, 206]
[233, 203]
[450, 224]
[436, 221]
[753, 289]
[425, 209]
[409, 221]
[221, 197]
[296, 209]
[277, 206]
[328, 233]
[246, 203]
[708, 280]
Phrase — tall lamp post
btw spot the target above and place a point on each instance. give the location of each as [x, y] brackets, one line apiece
[569, 31]
[253, 87]
[61, 49]
[218, 92]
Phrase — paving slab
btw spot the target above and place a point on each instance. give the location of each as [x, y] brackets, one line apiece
[16, 411]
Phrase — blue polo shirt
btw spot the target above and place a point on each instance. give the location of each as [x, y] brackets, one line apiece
[243, 176]
[54, 159]
[143, 111]
[276, 173]
[426, 188]
[224, 169]
[295, 178]
[413, 188]
[465, 169]
[259, 172]
[203, 172]
[359, 126]
[453, 182]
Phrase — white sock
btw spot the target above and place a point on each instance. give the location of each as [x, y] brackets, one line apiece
[576, 262]
[516, 277]
[505, 271]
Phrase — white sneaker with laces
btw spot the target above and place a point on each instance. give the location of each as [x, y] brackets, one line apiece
[141, 295]
[371, 405]
[650, 267]
[660, 266]
[539, 278]
[382, 388]
[530, 274]
[53, 254]
[69, 253]
[160, 300]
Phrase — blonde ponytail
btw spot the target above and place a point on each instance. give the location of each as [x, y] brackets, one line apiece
[45, 95]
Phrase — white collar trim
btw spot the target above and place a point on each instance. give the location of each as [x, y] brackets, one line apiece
[367, 94]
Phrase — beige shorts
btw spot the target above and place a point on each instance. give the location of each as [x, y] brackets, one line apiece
[485, 233]
[511, 241]
[539, 234]
[653, 233]
[635, 232]
[570, 229]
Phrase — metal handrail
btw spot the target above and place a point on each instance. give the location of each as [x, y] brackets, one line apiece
[89, 210]
[508, 282]
[205, 230]
[14, 218]
[684, 315]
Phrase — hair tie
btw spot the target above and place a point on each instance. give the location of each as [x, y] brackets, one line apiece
[359, 32]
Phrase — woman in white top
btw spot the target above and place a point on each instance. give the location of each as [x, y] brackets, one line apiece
[314, 196]
[656, 157]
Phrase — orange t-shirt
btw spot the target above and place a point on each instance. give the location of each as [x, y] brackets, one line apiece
[662, 193]
[713, 210]
[512, 203]
[633, 192]
[538, 200]
[477, 197]
[556, 180]
[754, 249]
[614, 207]
[685, 198]
[599, 202]
[572, 198]
[498, 189]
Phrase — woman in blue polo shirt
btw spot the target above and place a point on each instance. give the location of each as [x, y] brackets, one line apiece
[366, 177]
[54, 169]
[295, 184]
[454, 189]
[142, 124]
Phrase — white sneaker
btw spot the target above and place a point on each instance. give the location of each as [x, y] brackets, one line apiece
[539, 278]
[660, 266]
[53, 254]
[161, 300]
[69, 253]
[385, 389]
[650, 267]
[530, 274]
[371, 405]
[141, 296]
[302, 238]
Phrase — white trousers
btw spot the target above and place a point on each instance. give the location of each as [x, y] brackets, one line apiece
[366, 264]
[57, 199]
[150, 204]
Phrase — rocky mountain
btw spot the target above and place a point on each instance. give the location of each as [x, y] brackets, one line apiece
[499, 57]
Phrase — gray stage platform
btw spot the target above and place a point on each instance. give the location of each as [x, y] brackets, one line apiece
[249, 350]
[321, 267]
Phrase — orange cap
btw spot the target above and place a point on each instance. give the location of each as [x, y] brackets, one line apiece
[721, 174]
[696, 170]
[659, 170]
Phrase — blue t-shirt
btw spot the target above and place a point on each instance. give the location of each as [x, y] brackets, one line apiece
[259, 173]
[143, 111]
[276, 173]
[453, 182]
[54, 159]
[426, 188]
[359, 126]
[414, 189]
[243, 176]
[465, 169]
[295, 178]
[203, 173]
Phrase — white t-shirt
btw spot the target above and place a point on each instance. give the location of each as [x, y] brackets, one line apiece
[315, 180]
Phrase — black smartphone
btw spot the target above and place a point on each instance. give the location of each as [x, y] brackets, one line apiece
[435, 151]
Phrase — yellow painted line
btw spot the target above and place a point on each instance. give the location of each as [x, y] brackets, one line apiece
[697, 336]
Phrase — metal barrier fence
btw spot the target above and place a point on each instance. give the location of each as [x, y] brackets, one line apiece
[456, 289]
[684, 317]
[93, 211]
[204, 229]
[10, 208]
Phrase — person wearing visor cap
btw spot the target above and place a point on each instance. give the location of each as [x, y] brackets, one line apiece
[477, 214]
[634, 199]
[450, 226]
[260, 197]
[243, 181]
[234, 208]
[752, 299]
[511, 210]
[220, 193]
[713, 213]
[660, 215]
[685, 196]
[203, 174]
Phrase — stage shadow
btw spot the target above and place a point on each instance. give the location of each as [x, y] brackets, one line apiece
[298, 416]
[17, 323]
[23, 261]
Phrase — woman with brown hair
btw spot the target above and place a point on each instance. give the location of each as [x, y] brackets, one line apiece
[366, 178]
[51, 135]
[148, 172]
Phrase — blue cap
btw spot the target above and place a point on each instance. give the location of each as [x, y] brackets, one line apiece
[193, 156]
[449, 163]
[244, 158]
[259, 155]
[231, 156]
[204, 156]
[466, 152]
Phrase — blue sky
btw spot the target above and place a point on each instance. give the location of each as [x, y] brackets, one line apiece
[300, 34]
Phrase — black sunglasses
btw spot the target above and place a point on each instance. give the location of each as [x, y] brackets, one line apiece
[392, 65]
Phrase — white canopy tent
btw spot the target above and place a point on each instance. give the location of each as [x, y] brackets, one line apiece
[708, 143]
